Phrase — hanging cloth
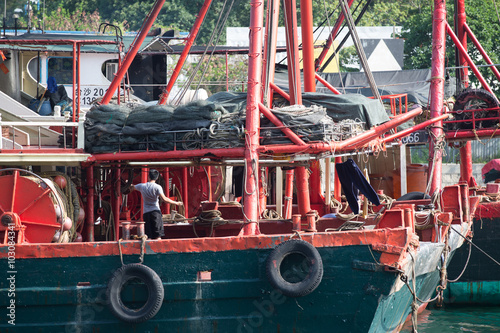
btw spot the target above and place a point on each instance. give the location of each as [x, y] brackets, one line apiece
[352, 179]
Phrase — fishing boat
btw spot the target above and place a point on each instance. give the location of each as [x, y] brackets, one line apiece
[473, 274]
[74, 252]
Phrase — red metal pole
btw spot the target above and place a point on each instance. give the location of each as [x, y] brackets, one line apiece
[173, 154]
[306, 20]
[78, 86]
[185, 194]
[337, 190]
[481, 50]
[306, 17]
[437, 92]
[116, 195]
[166, 176]
[275, 120]
[144, 179]
[466, 164]
[120, 50]
[331, 38]
[269, 59]
[279, 91]
[89, 216]
[359, 140]
[185, 52]
[466, 150]
[209, 176]
[129, 57]
[463, 51]
[460, 20]
[412, 129]
[327, 85]
[290, 9]
[73, 136]
[250, 191]
[288, 194]
[303, 199]
[292, 51]
[462, 135]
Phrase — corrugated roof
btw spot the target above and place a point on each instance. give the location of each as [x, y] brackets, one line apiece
[99, 43]
[90, 43]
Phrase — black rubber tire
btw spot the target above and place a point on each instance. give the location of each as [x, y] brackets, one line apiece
[315, 268]
[474, 94]
[483, 99]
[413, 196]
[155, 293]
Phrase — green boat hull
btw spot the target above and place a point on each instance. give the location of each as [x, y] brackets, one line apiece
[480, 282]
[355, 295]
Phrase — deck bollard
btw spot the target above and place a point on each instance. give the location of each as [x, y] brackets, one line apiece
[311, 221]
[140, 228]
[296, 222]
[126, 230]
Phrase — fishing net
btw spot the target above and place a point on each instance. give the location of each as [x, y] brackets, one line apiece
[309, 123]
[219, 122]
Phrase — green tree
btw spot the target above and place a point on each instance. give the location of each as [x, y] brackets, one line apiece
[483, 21]
[348, 59]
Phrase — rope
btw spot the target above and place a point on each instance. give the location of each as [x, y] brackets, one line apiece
[442, 272]
[210, 218]
[465, 267]
[120, 250]
[271, 214]
[477, 247]
[143, 248]
[414, 304]
[439, 145]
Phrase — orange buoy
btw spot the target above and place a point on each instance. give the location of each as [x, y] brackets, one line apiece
[60, 181]
[78, 238]
[81, 214]
[67, 223]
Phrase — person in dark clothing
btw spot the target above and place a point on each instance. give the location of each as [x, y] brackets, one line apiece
[150, 192]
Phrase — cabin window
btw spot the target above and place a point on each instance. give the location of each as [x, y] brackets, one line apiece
[61, 68]
[34, 69]
[109, 69]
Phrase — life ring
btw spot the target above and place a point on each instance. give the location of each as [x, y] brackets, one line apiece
[413, 196]
[155, 293]
[297, 277]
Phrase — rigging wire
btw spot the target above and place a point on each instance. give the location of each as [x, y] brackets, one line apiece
[180, 94]
[359, 48]
[337, 59]
[341, 44]
[219, 34]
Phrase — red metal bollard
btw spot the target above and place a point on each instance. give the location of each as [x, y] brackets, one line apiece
[126, 230]
[296, 222]
[311, 221]
[140, 228]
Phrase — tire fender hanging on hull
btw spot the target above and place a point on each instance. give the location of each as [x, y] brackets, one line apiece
[155, 293]
[297, 277]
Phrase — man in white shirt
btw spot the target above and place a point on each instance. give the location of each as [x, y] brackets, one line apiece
[151, 209]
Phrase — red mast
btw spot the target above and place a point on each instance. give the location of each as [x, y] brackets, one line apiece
[437, 93]
[250, 188]
[463, 77]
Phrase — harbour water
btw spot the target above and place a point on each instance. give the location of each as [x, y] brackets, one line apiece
[458, 319]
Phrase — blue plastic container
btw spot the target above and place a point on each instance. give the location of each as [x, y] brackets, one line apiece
[45, 109]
